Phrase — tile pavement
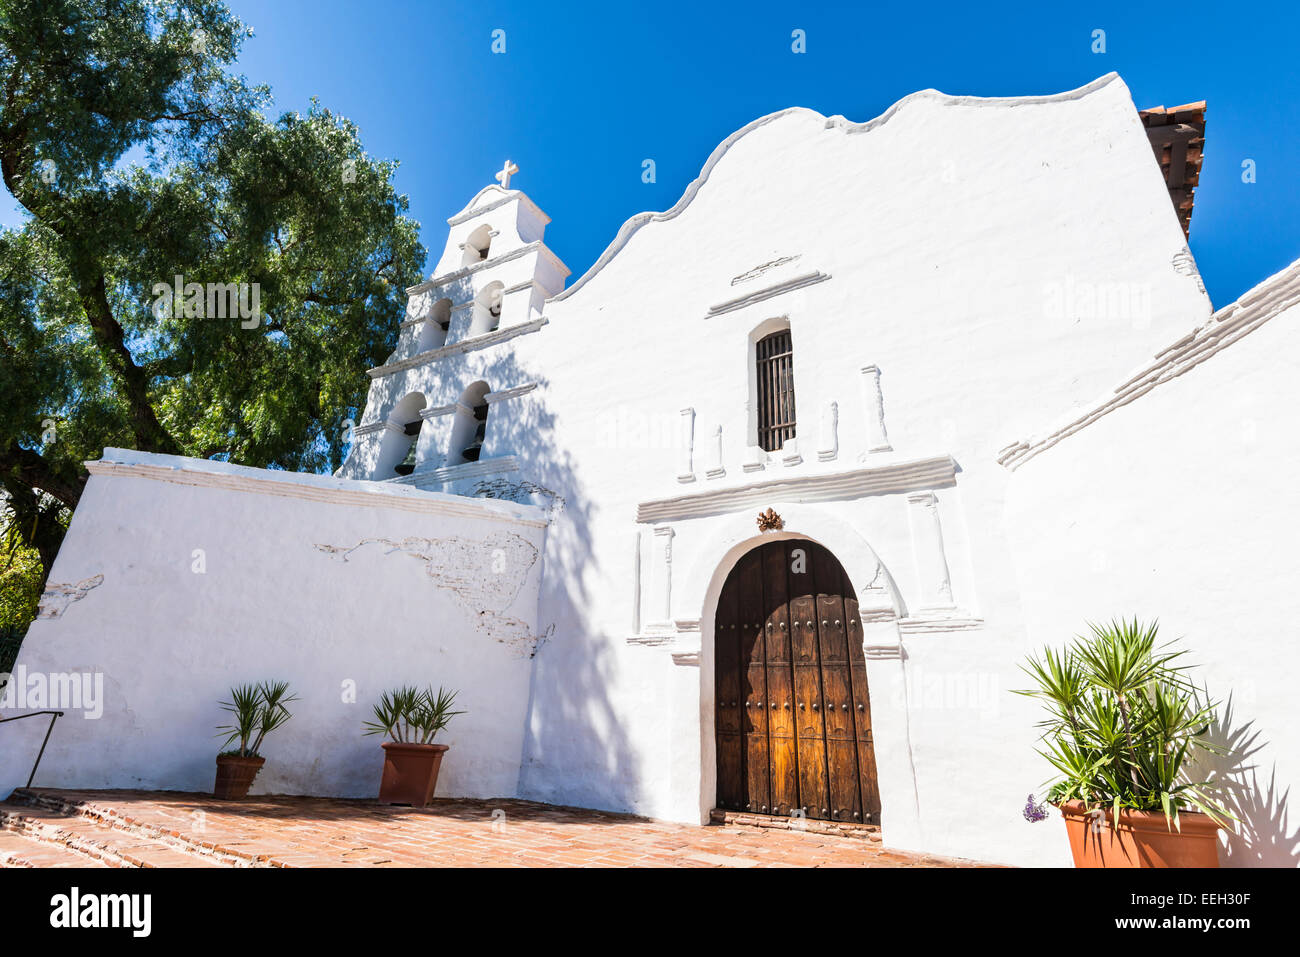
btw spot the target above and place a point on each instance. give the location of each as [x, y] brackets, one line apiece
[168, 829]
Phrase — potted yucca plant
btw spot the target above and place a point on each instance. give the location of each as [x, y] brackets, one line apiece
[410, 719]
[258, 710]
[1123, 728]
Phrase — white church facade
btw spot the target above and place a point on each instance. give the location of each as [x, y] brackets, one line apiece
[761, 513]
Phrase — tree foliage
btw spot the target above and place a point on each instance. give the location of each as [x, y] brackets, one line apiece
[139, 156]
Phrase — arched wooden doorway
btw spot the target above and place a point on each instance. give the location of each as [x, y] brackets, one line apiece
[792, 713]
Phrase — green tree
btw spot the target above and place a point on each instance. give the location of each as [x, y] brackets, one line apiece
[20, 580]
[138, 157]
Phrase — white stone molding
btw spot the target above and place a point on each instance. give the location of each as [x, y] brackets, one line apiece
[715, 469]
[661, 582]
[1270, 298]
[755, 459]
[652, 639]
[764, 267]
[927, 548]
[873, 402]
[438, 411]
[682, 639]
[494, 397]
[460, 306]
[383, 424]
[689, 657]
[631, 226]
[495, 337]
[178, 470]
[884, 652]
[790, 453]
[446, 279]
[776, 289]
[455, 473]
[473, 210]
[686, 467]
[829, 447]
[636, 586]
[910, 476]
[938, 624]
[873, 616]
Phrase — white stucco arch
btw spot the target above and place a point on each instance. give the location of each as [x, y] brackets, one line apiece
[731, 537]
[477, 245]
[486, 311]
[433, 331]
[394, 444]
[464, 425]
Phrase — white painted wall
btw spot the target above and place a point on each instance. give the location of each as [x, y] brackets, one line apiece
[272, 604]
[1181, 506]
[969, 277]
[961, 283]
[982, 289]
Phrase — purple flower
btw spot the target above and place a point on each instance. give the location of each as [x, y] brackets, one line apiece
[1034, 812]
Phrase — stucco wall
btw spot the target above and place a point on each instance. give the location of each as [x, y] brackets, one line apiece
[334, 586]
[1181, 507]
[961, 283]
[1010, 278]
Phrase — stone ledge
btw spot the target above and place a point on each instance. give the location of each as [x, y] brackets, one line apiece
[908, 476]
[866, 832]
[179, 470]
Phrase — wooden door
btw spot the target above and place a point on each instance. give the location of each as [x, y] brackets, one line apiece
[792, 712]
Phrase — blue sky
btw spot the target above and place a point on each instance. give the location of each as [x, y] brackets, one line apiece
[585, 92]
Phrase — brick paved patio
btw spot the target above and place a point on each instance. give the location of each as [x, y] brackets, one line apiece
[44, 827]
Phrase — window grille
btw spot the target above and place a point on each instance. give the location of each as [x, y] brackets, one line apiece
[775, 361]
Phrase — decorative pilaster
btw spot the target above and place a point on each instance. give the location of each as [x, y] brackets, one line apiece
[636, 586]
[686, 467]
[661, 585]
[829, 447]
[873, 401]
[715, 469]
[435, 436]
[927, 548]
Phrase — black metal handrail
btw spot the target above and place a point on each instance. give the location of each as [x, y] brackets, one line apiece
[54, 716]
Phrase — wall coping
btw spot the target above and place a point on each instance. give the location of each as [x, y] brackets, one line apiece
[180, 470]
[1270, 298]
[633, 224]
[906, 476]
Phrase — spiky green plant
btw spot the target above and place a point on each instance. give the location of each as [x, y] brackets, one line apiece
[411, 716]
[258, 709]
[1124, 723]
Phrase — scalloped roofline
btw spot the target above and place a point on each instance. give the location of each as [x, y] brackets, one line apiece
[630, 227]
[472, 209]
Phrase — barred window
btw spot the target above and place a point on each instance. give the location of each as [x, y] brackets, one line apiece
[775, 359]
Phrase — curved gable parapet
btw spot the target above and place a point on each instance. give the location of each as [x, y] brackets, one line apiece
[491, 197]
[632, 225]
[475, 205]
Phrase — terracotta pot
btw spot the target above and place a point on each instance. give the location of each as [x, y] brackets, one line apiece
[235, 776]
[1143, 838]
[410, 773]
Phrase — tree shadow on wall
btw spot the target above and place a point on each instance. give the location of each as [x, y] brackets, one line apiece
[576, 750]
[1261, 835]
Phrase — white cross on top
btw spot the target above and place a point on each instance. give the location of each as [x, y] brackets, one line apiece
[506, 172]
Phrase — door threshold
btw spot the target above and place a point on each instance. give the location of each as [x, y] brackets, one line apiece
[866, 832]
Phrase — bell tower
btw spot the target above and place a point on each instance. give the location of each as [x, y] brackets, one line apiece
[436, 408]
